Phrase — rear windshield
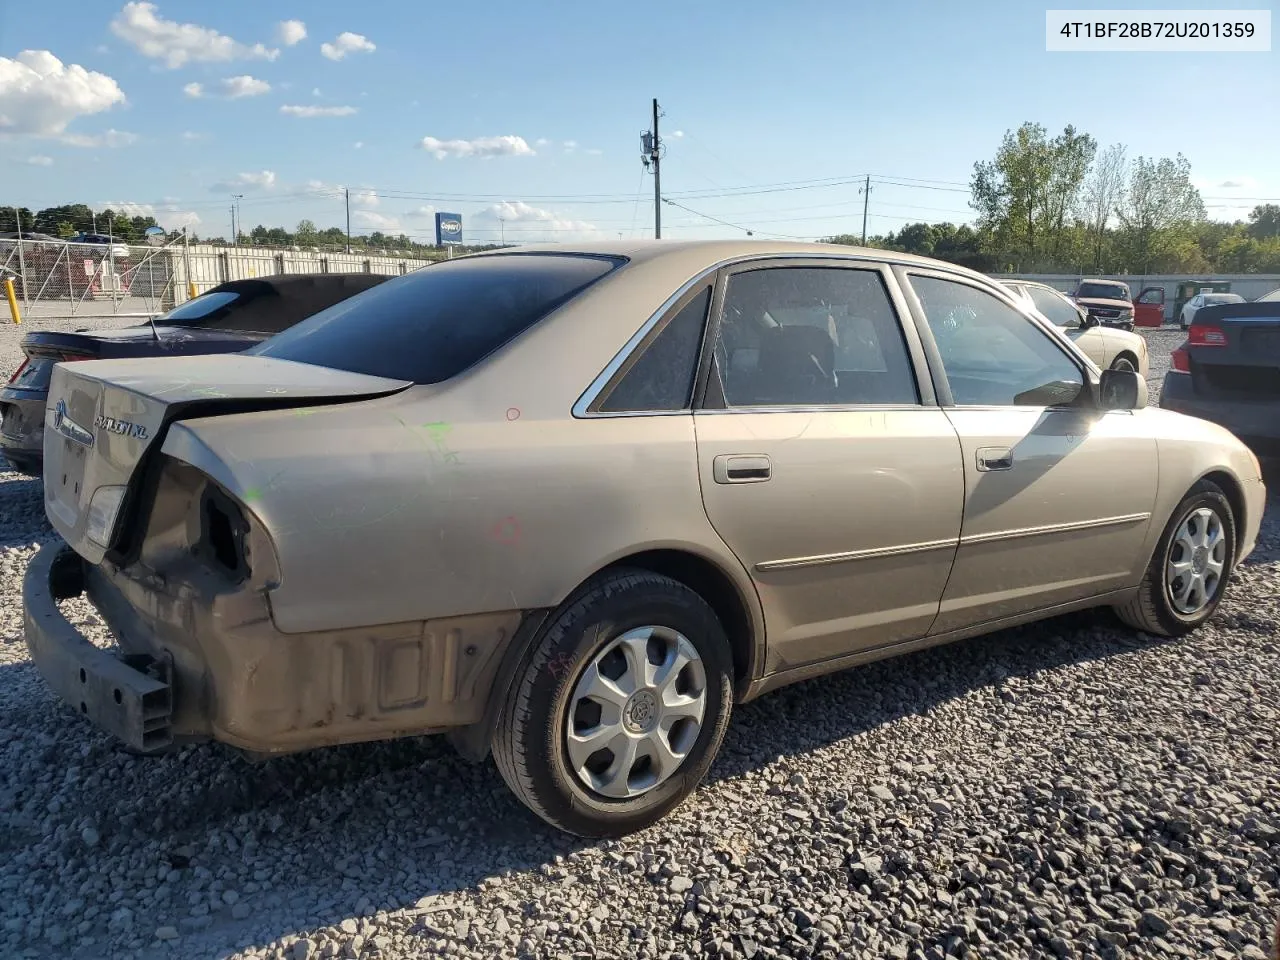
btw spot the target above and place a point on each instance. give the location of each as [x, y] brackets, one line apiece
[199, 308]
[1212, 298]
[434, 323]
[1103, 291]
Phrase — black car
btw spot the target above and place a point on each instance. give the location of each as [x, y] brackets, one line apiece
[231, 317]
[1228, 371]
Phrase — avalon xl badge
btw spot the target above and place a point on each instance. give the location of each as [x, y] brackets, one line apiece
[122, 427]
[68, 427]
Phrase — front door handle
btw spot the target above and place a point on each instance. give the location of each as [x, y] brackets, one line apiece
[738, 468]
[995, 458]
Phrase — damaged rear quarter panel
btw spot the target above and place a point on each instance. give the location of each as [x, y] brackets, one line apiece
[413, 507]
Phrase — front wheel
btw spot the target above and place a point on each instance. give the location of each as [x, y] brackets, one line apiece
[1188, 573]
[620, 707]
[1124, 363]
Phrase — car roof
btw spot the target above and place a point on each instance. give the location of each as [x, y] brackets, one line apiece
[1036, 283]
[704, 254]
[1119, 283]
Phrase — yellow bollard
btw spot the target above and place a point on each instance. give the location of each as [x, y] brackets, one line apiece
[13, 300]
[191, 289]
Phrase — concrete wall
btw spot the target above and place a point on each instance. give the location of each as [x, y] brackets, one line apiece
[209, 266]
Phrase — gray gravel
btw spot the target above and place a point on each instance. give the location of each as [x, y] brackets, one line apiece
[1068, 789]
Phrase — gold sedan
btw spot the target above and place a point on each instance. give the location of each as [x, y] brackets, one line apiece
[570, 504]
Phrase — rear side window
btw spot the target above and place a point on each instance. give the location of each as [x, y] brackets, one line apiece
[1055, 308]
[433, 324]
[661, 378]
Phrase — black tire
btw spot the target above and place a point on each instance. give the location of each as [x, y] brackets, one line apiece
[1125, 361]
[529, 745]
[1152, 609]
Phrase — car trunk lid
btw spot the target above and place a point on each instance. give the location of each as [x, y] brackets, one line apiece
[106, 416]
[1233, 351]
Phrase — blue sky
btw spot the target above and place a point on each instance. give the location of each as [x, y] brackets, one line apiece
[755, 95]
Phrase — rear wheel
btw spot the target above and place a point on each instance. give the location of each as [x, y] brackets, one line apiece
[620, 707]
[1189, 571]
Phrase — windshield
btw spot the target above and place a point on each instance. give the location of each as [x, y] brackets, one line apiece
[1212, 298]
[1103, 291]
[431, 325]
[1270, 297]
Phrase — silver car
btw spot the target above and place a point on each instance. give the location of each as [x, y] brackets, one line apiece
[570, 504]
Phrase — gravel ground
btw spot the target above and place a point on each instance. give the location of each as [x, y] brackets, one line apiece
[1068, 789]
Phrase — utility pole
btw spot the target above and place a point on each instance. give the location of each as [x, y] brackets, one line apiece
[233, 224]
[651, 155]
[502, 231]
[347, 192]
[236, 225]
[22, 263]
[866, 199]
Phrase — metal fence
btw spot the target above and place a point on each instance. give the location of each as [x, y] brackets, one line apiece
[58, 280]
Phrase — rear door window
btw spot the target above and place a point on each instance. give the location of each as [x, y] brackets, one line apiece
[434, 323]
[1056, 309]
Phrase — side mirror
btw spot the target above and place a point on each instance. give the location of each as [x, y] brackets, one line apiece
[1122, 390]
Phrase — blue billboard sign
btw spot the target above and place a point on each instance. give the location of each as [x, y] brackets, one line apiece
[448, 228]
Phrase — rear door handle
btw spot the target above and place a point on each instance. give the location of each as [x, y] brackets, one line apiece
[737, 468]
[995, 458]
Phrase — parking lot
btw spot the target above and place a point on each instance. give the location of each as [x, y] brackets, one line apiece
[1066, 789]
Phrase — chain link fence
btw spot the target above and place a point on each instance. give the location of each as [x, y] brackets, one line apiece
[57, 280]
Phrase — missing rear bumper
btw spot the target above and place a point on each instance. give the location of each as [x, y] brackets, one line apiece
[129, 696]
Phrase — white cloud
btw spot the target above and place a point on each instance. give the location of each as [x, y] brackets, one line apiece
[347, 43]
[291, 32]
[315, 91]
[128, 209]
[169, 215]
[378, 221]
[359, 144]
[39, 160]
[524, 222]
[40, 95]
[177, 43]
[244, 86]
[483, 147]
[177, 219]
[263, 180]
[595, 152]
[108, 138]
[570, 146]
[541, 142]
[421, 213]
[191, 136]
[293, 110]
[193, 90]
[1238, 183]
[677, 134]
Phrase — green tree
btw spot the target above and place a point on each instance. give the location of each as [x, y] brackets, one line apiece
[1160, 199]
[306, 233]
[9, 217]
[1264, 221]
[1101, 195]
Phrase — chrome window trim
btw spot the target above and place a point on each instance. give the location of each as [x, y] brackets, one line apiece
[581, 408]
